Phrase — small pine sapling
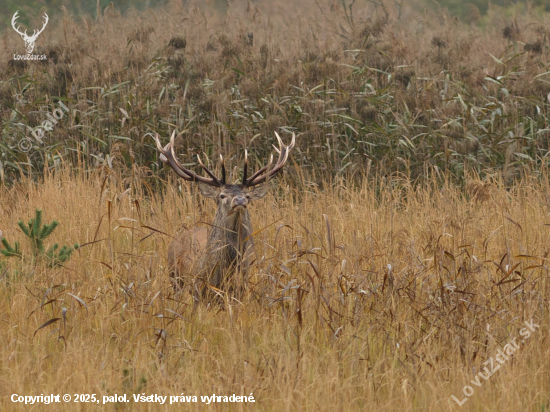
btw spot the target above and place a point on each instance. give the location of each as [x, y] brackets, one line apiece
[62, 256]
[37, 232]
[10, 250]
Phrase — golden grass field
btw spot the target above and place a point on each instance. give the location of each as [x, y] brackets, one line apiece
[359, 299]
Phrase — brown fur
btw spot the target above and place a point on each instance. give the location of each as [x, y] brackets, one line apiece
[185, 252]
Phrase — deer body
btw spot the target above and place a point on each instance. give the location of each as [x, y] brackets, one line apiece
[219, 258]
[228, 247]
[185, 251]
[225, 249]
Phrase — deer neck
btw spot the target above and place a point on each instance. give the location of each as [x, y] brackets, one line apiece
[233, 229]
[227, 246]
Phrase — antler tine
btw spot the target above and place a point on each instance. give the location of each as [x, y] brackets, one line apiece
[264, 174]
[280, 143]
[223, 169]
[245, 168]
[161, 149]
[194, 177]
[268, 167]
[212, 175]
[263, 169]
[255, 175]
[168, 156]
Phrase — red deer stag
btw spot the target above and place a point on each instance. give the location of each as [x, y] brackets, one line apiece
[218, 259]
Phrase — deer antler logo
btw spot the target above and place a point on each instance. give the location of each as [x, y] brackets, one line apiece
[29, 40]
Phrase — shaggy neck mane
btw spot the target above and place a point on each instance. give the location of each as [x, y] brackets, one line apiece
[231, 231]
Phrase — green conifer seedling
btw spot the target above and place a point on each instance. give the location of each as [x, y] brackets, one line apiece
[37, 233]
[10, 250]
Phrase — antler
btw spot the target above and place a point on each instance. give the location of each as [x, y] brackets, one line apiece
[13, 20]
[266, 172]
[168, 156]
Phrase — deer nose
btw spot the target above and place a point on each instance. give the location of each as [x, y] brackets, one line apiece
[239, 201]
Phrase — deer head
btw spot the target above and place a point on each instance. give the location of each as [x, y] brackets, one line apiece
[29, 40]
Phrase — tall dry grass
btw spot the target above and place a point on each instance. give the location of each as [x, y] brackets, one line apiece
[375, 297]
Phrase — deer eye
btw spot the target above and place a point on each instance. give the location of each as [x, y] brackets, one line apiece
[223, 196]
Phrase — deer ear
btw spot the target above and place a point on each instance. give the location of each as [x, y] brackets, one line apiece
[209, 191]
[258, 192]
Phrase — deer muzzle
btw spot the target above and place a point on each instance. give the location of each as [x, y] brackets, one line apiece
[239, 203]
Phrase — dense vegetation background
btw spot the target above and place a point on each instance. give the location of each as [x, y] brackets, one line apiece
[396, 86]
[463, 9]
